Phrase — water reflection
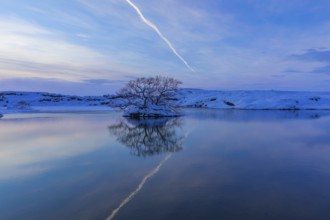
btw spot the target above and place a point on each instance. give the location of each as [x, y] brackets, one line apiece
[30, 146]
[147, 137]
[254, 115]
[67, 167]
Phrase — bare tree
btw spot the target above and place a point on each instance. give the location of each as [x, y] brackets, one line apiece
[149, 96]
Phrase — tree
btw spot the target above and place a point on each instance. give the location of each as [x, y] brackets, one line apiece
[149, 97]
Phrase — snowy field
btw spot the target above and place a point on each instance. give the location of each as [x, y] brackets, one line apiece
[11, 102]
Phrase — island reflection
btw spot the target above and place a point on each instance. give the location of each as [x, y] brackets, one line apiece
[147, 137]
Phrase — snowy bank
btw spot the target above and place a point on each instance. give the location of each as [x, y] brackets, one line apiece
[257, 100]
[11, 102]
[20, 102]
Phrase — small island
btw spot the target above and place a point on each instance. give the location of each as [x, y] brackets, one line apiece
[149, 97]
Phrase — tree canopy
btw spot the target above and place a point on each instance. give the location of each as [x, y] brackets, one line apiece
[152, 96]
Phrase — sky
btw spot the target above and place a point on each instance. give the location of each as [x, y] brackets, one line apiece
[94, 47]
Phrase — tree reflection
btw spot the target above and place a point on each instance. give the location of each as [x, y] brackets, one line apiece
[146, 137]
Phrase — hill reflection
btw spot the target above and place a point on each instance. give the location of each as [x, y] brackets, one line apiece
[147, 137]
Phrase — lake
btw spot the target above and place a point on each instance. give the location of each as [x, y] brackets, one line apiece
[209, 164]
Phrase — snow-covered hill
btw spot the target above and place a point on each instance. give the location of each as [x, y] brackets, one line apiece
[196, 98]
[34, 101]
[254, 99]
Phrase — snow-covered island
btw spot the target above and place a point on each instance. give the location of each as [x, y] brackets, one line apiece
[193, 98]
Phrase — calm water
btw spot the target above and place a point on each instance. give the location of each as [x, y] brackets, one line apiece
[210, 164]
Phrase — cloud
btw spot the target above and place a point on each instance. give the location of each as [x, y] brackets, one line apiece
[324, 69]
[30, 50]
[313, 55]
[29, 46]
[105, 81]
[230, 43]
[318, 70]
[278, 75]
[86, 87]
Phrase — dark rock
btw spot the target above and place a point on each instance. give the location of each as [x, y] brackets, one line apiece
[228, 103]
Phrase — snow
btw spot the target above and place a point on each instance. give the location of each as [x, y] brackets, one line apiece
[258, 100]
[11, 102]
[68, 108]
[150, 111]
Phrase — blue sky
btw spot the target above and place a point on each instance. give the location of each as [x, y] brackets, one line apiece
[95, 46]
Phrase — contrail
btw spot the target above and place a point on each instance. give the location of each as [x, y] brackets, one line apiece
[150, 24]
[138, 188]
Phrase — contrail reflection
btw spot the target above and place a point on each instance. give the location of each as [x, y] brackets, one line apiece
[139, 187]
